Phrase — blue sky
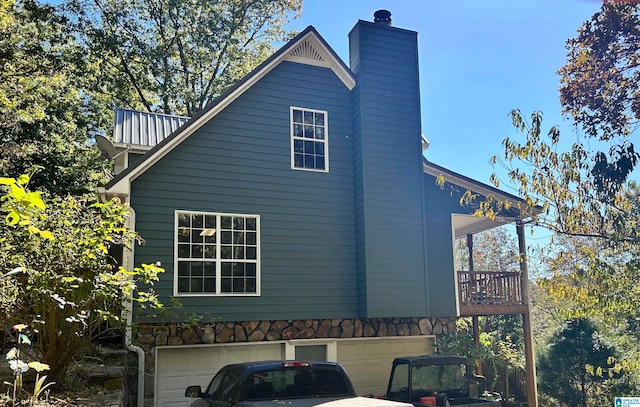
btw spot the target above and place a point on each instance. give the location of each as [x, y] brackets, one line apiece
[478, 60]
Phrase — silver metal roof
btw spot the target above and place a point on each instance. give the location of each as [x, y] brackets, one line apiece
[143, 130]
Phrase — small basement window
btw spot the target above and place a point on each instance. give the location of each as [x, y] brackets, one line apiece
[309, 141]
[216, 254]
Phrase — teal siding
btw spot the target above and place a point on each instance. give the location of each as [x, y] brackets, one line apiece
[387, 159]
[239, 162]
[439, 243]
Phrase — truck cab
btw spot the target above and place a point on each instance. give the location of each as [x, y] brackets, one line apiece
[435, 381]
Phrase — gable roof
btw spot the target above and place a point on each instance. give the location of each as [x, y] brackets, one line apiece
[308, 47]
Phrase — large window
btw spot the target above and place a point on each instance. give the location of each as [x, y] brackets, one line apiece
[217, 254]
[309, 142]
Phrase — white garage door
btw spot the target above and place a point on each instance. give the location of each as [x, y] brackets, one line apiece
[368, 360]
[177, 368]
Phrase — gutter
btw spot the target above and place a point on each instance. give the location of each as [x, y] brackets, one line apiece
[128, 309]
[138, 350]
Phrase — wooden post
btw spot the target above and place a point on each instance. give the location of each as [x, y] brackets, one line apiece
[474, 319]
[530, 362]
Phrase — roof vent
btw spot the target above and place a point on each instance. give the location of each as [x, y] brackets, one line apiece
[382, 17]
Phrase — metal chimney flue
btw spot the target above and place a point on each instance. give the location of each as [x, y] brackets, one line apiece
[382, 17]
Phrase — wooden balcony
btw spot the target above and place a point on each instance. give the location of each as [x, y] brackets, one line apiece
[491, 293]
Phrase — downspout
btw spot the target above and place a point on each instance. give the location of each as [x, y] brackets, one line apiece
[128, 263]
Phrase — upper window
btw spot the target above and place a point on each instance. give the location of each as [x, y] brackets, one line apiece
[309, 148]
[217, 254]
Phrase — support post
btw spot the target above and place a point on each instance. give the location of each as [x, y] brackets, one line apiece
[474, 319]
[530, 363]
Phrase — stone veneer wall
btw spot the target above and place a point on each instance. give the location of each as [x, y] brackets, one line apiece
[150, 336]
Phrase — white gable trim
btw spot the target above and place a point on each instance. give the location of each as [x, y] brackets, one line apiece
[309, 49]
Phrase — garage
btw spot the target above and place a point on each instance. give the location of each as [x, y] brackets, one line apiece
[177, 368]
[368, 360]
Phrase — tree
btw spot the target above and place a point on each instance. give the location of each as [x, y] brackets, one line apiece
[64, 282]
[175, 56]
[42, 106]
[562, 371]
[600, 87]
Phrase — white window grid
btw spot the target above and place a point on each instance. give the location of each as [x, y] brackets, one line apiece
[216, 253]
[309, 139]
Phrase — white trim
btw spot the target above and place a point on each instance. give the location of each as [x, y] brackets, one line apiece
[123, 186]
[325, 141]
[218, 259]
[331, 347]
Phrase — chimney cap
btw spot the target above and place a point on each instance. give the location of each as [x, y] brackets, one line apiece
[382, 17]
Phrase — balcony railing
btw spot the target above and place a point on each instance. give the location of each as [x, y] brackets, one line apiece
[495, 288]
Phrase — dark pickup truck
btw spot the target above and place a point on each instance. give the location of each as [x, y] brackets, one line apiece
[276, 383]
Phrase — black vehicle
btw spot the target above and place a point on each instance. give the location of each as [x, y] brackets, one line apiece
[436, 381]
[267, 383]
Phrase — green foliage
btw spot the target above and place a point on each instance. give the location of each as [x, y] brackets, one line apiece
[70, 286]
[176, 56]
[563, 371]
[43, 119]
[599, 84]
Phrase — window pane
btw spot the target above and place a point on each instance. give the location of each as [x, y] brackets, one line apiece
[251, 270]
[196, 285]
[319, 119]
[197, 251]
[297, 116]
[320, 163]
[308, 117]
[308, 147]
[311, 352]
[197, 269]
[210, 269]
[252, 253]
[308, 161]
[184, 220]
[308, 132]
[226, 237]
[238, 237]
[226, 269]
[197, 221]
[184, 250]
[297, 130]
[226, 252]
[320, 133]
[250, 286]
[298, 146]
[225, 222]
[183, 285]
[239, 253]
[210, 285]
[297, 160]
[226, 285]
[238, 269]
[238, 285]
[196, 236]
[184, 234]
[319, 148]
[238, 223]
[183, 268]
[251, 223]
[251, 238]
[209, 252]
[210, 221]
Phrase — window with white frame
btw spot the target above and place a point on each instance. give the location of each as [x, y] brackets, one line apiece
[217, 254]
[309, 142]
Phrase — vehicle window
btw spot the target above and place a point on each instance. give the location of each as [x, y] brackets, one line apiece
[214, 386]
[399, 389]
[296, 383]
